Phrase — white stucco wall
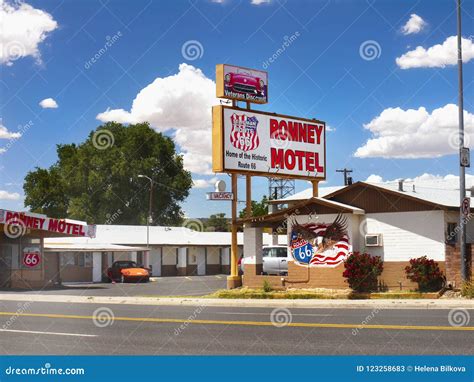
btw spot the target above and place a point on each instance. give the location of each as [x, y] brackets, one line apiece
[406, 234]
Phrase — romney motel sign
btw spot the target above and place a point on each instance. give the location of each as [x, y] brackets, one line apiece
[259, 143]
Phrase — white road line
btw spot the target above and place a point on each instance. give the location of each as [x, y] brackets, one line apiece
[267, 314]
[49, 333]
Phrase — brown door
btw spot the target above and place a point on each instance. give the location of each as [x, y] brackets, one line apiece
[51, 267]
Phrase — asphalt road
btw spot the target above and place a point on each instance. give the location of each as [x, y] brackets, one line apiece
[63, 328]
[164, 286]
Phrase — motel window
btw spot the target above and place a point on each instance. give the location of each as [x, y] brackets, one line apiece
[452, 233]
[78, 259]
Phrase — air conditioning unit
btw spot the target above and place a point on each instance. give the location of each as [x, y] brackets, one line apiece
[373, 240]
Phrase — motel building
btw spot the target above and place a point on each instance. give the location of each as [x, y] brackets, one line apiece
[38, 251]
[396, 221]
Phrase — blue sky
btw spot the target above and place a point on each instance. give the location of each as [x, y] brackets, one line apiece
[324, 73]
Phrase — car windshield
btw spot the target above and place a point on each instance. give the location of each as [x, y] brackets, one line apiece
[126, 264]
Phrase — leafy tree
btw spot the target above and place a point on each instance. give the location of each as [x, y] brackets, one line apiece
[218, 223]
[258, 208]
[97, 180]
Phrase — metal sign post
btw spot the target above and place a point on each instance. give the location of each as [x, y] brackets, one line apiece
[462, 169]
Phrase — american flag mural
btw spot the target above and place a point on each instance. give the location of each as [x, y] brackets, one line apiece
[320, 244]
[243, 135]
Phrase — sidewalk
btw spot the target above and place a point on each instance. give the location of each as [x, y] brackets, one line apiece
[191, 301]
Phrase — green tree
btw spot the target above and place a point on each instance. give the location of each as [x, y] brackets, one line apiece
[97, 181]
[218, 223]
[258, 208]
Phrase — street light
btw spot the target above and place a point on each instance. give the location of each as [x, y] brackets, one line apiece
[149, 219]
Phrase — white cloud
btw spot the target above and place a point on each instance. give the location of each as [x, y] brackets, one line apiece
[260, 2]
[416, 133]
[181, 103]
[330, 128]
[204, 183]
[5, 195]
[5, 134]
[437, 56]
[415, 24]
[2, 150]
[48, 103]
[23, 29]
[374, 179]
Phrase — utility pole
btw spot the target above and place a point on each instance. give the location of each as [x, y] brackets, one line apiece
[462, 170]
[149, 218]
[346, 178]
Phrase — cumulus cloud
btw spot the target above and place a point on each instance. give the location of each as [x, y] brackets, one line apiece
[204, 183]
[415, 24]
[180, 103]
[448, 182]
[6, 134]
[437, 56]
[260, 2]
[5, 195]
[23, 29]
[374, 179]
[48, 103]
[416, 133]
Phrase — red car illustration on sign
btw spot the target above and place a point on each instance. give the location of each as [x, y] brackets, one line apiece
[244, 83]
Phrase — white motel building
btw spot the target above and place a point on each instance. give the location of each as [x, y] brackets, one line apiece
[397, 221]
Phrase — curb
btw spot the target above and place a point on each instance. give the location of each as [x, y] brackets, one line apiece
[242, 303]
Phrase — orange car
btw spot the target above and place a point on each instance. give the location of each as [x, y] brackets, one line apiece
[123, 271]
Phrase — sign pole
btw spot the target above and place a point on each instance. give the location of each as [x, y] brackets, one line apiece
[234, 281]
[248, 197]
[462, 170]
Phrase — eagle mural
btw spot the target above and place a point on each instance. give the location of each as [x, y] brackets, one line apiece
[320, 244]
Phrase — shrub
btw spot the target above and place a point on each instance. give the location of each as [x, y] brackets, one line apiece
[467, 289]
[362, 271]
[426, 273]
[267, 287]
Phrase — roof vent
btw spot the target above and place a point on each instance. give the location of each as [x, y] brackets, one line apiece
[400, 185]
[414, 188]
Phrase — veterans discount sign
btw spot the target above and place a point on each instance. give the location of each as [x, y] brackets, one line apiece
[247, 141]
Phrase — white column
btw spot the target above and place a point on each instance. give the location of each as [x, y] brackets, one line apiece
[253, 244]
[182, 260]
[96, 267]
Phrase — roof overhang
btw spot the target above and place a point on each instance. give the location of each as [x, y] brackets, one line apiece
[90, 247]
[306, 207]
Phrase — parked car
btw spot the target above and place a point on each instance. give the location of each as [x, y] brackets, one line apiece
[123, 271]
[274, 259]
[244, 82]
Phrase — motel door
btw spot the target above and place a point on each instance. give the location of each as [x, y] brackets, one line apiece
[6, 251]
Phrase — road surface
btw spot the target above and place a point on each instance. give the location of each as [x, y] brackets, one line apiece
[95, 329]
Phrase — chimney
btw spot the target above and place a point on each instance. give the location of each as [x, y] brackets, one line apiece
[414, 187]
[400, 185]
[349, 180]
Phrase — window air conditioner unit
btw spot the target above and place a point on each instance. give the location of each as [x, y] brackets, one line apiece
[373, 240]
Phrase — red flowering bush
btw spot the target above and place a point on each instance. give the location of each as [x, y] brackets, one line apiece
[426, 273]
[362, 271]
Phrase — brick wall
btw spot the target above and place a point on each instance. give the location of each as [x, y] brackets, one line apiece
[331, 278]
[453, 263]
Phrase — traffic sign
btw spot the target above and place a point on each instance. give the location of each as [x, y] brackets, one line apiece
[466, 207]
[465, 157]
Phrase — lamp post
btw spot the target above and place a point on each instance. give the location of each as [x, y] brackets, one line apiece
[149, 219]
